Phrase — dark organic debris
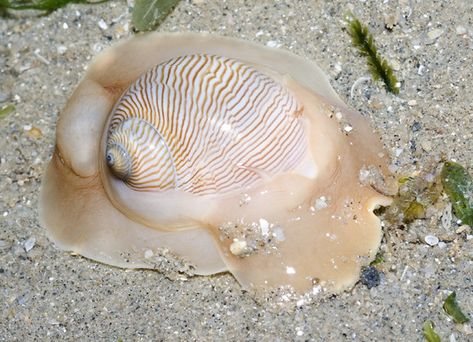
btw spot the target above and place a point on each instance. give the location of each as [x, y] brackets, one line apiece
[370, 276]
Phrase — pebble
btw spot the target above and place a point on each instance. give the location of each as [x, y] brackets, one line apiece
[102, 24]
[461, 30]
[426, 145]
[61, 49]
[391, 20]
[321, 203]
[462, 229]
[273, 44]
[416, 126]
[148, 253]
[412, 103]
[370, 277]
[278, 233]
[4, 96]
[34, 133]
[264, 225]
[238, 247]
[29, 244]
[4, 245]
[467, 330]
[420, 70]
[433, 35]
[431, 240]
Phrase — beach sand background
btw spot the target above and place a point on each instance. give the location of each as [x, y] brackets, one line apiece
[47, 294]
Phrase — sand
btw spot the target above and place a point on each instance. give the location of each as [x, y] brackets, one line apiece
[47, 294]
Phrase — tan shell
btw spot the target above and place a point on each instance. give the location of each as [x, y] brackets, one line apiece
[290, 205]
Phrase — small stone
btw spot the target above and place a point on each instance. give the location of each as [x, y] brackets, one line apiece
[391, 20]
[395, 65]
[461, 30]
[102, 24]
[290, 270]
[466, 328]
[370, 277]
[34, 133]
[416, 126]
[412, 103]
[278, 233]
[393, 168]
[264, 225]
[4, 245]
[148, 253]
[238, 247]
[462, 229]
[29, 244]
[430, 177]
[420, 70]
[431, 240]
[433, 35]
[61, 49]
[272, 44]
[320, 203]
[426, 145]
[4, 96]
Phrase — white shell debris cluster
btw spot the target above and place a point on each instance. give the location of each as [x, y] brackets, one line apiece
[249, 238]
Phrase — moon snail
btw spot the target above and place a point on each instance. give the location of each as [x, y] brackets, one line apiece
[227, 155]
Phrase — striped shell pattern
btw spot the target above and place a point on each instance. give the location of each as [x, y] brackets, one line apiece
[204, 124]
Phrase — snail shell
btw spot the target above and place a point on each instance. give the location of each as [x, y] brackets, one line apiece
[205, 125]
[230, 155]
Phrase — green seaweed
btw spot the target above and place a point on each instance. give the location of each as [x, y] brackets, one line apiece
[414, 211]
[378, 259]
[451, 308]
[429, 333]
[415, 195]
[458, 185]
[147, 14]
[5, 110]
[41, 5]
[379, 67]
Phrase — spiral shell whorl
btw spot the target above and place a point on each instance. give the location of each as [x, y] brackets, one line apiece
[221, 124]
[140, 157]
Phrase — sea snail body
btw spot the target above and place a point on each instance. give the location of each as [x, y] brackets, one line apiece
[228, 155]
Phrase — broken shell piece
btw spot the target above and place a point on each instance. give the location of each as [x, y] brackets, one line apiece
[216, 149]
